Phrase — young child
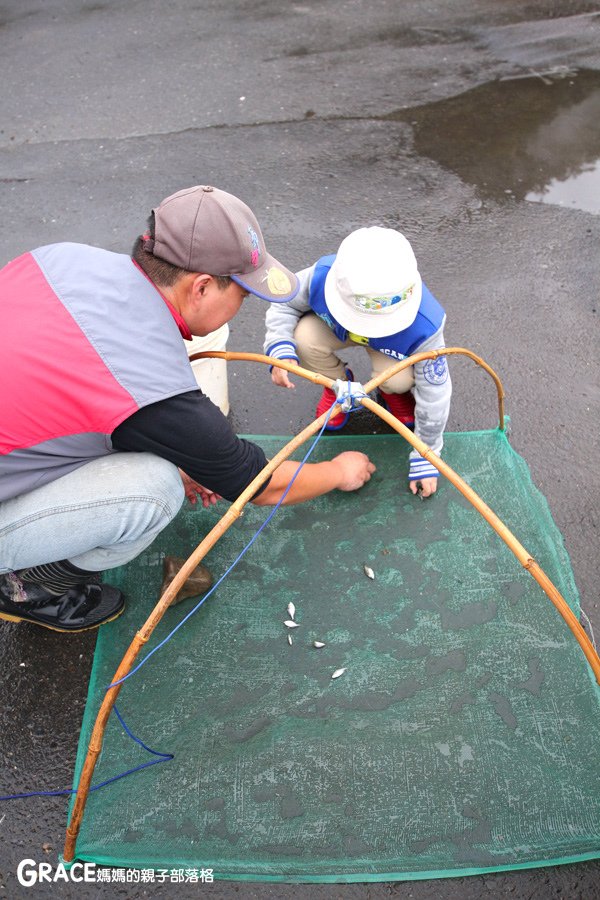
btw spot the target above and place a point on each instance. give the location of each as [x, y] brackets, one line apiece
[370, 294]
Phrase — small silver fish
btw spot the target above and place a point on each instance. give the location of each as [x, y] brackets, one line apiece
[318, 644]
[290, 640]
[291, 624]
[338, 672]
[291, 610]
[368, 571]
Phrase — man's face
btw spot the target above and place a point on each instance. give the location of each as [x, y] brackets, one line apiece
[218, 306]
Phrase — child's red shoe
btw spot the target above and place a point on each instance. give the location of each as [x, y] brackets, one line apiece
[400, 405]
[327, 400]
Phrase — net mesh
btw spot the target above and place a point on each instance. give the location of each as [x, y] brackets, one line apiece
[461, 738]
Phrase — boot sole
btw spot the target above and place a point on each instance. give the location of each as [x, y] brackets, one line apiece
[9, 618]
[338, 427]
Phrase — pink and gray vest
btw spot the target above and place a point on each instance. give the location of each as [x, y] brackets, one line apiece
[85, 341]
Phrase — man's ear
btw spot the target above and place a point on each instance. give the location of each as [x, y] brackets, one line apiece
[198, 287]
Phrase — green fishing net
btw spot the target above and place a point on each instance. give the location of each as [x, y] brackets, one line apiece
[462, 736]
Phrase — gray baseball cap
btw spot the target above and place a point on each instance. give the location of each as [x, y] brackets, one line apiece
[204, 229]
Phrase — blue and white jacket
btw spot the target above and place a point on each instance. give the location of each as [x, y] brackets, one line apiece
[432, 388]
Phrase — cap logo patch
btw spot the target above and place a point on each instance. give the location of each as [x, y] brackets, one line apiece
[277, 281]
[255, 254]
[374, 304]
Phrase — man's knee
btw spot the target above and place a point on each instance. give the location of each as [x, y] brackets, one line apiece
[146, 504]
[98, 516]
[159, 479]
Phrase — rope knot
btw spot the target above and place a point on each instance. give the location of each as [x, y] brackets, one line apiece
[347, 393]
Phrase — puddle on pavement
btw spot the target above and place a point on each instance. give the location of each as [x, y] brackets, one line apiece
[580, 191]
[533, 138]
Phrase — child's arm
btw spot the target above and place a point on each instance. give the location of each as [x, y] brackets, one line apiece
[281, 320]
[432, 390]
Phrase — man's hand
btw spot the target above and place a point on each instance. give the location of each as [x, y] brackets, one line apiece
[347, 471]
[428, 486]
[193, 490]
[281, 378]
[355, 469]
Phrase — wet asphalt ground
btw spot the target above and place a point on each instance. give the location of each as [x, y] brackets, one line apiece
[445, 120]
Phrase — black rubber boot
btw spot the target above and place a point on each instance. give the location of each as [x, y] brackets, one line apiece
[79, 608]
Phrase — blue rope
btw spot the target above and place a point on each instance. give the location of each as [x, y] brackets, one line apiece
[165, 757]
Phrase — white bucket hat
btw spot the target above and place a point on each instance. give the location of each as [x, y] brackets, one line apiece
[373, 287]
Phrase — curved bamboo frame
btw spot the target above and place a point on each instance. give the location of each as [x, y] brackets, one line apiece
[234, 511]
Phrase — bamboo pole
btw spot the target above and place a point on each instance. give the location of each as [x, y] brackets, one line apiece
[234, 511]
[435, 354]
[375, 382]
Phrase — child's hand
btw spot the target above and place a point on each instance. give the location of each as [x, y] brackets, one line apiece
[428, 486]
[280, 378]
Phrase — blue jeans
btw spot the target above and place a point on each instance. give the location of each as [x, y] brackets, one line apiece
[99, 516]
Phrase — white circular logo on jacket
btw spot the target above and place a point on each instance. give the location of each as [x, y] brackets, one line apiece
[436, 370]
